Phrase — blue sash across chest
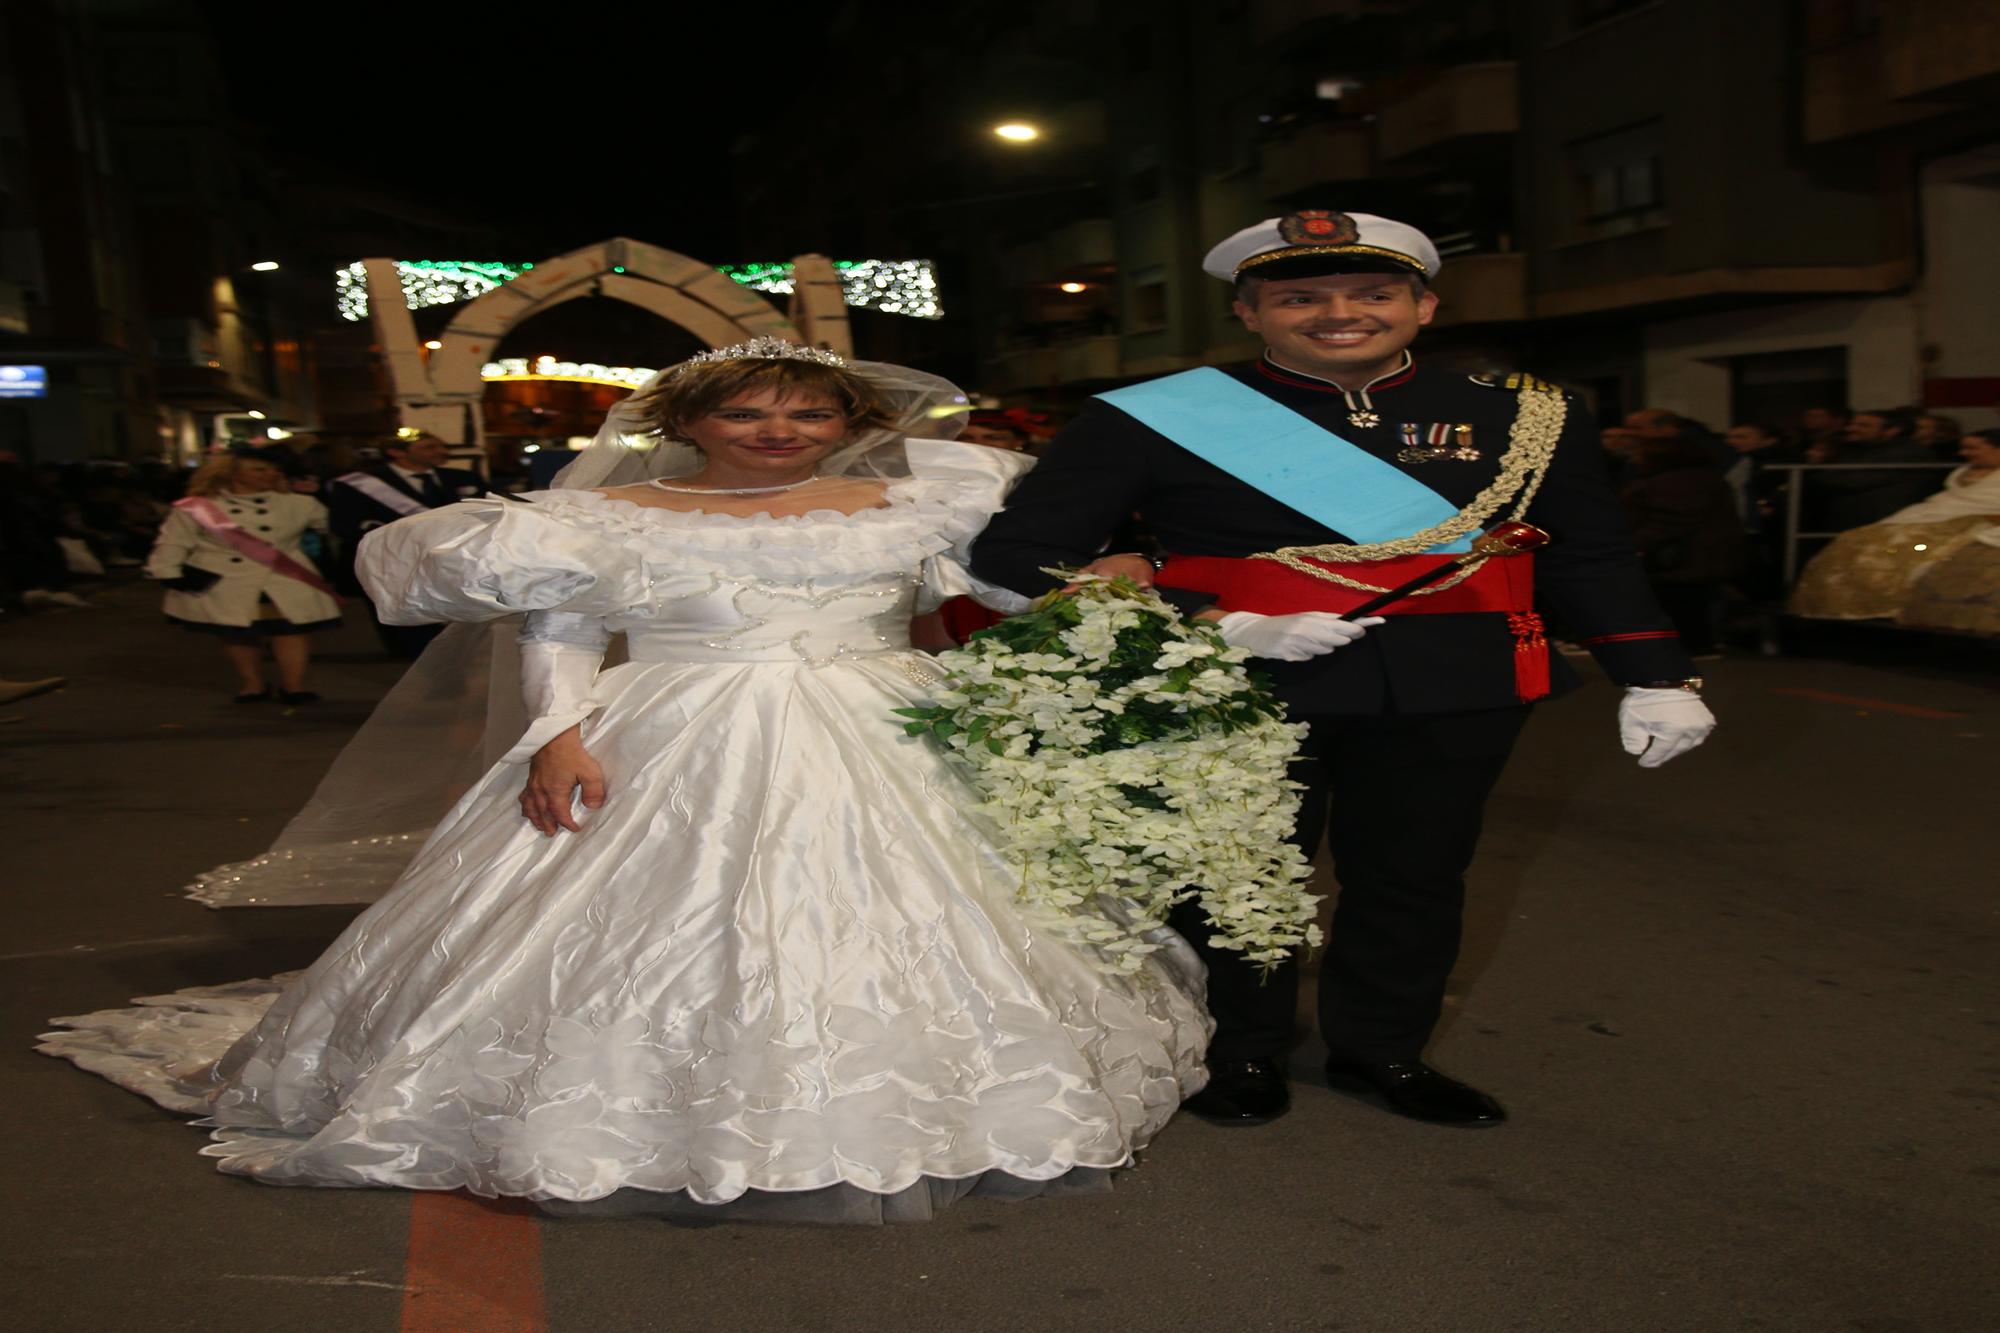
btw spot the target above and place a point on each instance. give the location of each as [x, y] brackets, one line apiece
[1296, 462]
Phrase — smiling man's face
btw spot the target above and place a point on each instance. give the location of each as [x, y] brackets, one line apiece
[1346, 327]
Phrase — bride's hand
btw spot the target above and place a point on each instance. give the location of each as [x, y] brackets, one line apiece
[558, 769]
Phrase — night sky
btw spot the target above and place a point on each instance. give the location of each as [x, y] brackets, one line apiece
[561, 134]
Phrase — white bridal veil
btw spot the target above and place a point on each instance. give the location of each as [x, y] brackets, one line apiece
[458, 708]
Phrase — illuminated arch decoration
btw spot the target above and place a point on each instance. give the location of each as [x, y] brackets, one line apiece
[892, 286]
[516, 368]
[440, 393]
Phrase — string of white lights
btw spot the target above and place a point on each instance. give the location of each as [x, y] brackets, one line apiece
[893, 286]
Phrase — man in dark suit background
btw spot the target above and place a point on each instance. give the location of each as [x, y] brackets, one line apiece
[1412, 720]
[411, 479]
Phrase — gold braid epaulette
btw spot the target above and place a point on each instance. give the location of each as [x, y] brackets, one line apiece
[1531, 443]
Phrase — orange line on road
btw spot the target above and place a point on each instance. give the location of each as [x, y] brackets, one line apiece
[473, 1266]
[1880, 705]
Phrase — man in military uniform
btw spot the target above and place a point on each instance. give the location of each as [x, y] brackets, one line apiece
[412, 479]
[1289, 492]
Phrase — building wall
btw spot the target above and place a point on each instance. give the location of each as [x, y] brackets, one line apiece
[1960, 199]
[1707, 85]
[1687, 361]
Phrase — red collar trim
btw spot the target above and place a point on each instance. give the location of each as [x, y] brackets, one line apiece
[1297, 381]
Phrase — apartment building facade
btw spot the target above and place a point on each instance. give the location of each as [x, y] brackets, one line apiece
[1728, 210]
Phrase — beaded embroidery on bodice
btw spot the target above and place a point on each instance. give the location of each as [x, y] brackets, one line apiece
[745, 619]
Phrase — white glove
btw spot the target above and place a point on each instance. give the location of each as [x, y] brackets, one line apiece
[1656, 725]
[1294, 638]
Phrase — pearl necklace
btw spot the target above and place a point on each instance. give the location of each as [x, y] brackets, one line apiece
[731, 490]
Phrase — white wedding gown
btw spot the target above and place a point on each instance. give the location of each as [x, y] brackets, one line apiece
[781, 965]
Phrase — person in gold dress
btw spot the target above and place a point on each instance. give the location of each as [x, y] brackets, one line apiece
[1870, 572]
[1961, 593]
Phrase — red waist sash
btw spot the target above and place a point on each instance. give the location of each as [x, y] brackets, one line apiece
[1504, 585]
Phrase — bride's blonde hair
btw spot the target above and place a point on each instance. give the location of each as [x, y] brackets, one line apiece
[673, 400]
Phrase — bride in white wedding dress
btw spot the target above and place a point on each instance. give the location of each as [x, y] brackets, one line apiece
[714, 934]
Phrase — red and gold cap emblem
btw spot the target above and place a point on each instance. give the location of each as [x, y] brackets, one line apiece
[1318, 226]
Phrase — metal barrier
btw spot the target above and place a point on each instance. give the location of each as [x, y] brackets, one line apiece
[1795, 492]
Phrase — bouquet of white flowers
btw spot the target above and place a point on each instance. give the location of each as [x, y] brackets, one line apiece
[1130, 762]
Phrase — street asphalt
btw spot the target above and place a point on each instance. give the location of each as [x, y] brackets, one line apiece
[1742, 1009]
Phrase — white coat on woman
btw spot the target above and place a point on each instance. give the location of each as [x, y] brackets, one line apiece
[277, 517]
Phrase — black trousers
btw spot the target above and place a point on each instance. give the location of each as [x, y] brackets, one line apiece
[1400, 799]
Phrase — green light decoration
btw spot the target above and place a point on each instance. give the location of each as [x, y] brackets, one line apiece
[893, 286]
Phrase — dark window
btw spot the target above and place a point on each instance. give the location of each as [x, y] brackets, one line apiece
[1775, 388]
[1617, 182]
[1624, 187]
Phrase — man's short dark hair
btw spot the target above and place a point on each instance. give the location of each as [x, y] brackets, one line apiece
[1901, 420]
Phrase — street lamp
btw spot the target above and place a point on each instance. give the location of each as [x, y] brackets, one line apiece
[264, 266]
[434, 345]
[1015, 131]
[1074, 287]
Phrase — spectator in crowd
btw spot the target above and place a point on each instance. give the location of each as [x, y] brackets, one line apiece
[115, 519]
[411, 479]
[230, 556]
[1822, 428]
[1939, 434]
[1867, 573]
[1656, 423]
[997, 430]
[1619, 444]
[1756, 448]
[1853, 499]
[1684, 521]
[34, 573]
[1760, 489]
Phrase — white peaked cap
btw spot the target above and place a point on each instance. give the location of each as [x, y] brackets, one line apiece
[1343, 242]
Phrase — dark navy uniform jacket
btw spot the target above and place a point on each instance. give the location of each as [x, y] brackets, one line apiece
[353, 514]
[1588, 580]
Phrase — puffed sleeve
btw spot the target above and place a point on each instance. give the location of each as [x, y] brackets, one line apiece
[486, 558]
[976, 481]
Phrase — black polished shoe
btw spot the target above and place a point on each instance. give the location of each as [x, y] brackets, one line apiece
[1242, 1092]
[253, 697]
[1412, 1088]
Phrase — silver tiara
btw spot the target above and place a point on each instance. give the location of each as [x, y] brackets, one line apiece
[765, 349]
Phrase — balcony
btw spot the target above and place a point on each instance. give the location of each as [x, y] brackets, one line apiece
[1940, 48]
[1316, 153]
[1068, 361]
[1466, 104]
[1482, 289]
[1925, 60]
[1845, 94]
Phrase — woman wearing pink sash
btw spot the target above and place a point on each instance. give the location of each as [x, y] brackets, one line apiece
[230, 555]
